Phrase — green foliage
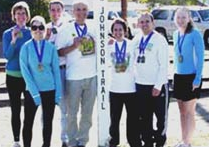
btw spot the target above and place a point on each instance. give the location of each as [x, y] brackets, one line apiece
[164, 2]
[37, 7]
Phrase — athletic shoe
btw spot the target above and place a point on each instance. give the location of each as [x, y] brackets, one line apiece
[16, 144]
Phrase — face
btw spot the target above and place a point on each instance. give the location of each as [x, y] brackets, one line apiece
[80, 12]
[37, 30]
[118, 32]
[182, 18]
[55, 11]
[146, 24]
[20, 16]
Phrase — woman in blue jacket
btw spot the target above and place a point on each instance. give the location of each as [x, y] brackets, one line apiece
[13, 39]
[40, 68]
[188, 64]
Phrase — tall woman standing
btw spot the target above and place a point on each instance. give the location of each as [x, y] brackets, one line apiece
[13, 39]
[188, 65]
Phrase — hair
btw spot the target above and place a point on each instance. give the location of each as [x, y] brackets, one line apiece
[190, 24]
[121, 22]
[56, 2]
[38, 18]
[147, 14]
[84, 2]
[18, 6]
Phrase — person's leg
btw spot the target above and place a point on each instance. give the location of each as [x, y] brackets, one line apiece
[29, 113]
[48, 106]
[116, 107]
[89, 87]
[15, 87]
[73, 96]
[144, 93]
[63, 107]
[132, 124]
[161, 112]
[187, 115]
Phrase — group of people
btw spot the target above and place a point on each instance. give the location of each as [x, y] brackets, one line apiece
[55, 63]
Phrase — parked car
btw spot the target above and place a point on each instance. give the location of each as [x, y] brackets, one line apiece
[164, 20]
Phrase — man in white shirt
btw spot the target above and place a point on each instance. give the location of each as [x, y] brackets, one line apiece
[151, 81]
[77, 44]
[56, 9]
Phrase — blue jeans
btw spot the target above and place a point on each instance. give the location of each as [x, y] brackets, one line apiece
[80, 93]
[63, 106]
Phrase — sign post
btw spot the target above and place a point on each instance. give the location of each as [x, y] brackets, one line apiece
[100, 20]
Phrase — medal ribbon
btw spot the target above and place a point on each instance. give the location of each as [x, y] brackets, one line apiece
[40, 56]
[80, 32]
[180, 42]
[120, 53]
[143, 44]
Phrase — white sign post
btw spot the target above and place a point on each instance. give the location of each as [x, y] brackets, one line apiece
[100, 20]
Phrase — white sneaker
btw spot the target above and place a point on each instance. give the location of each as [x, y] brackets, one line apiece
[16, 144]
[180, 144]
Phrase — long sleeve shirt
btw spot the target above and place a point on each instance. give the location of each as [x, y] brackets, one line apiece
[11, 51]
[155, 69]
[36, 80]
[193, 55]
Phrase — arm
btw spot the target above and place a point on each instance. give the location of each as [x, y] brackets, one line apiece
[9, 45]
[199, 53]
[65, 50]
[28, 77]
[163, 64]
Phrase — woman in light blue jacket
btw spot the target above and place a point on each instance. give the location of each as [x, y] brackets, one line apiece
[40, 68]
[188, 64]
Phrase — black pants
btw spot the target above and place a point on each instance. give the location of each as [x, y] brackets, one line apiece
[148, 106]
[117, 100]
[48, 106]
[15, 87]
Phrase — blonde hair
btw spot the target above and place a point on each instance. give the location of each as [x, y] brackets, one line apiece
[18, 6]
[190, 24]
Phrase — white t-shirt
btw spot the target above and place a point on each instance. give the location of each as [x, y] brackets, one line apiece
[122, 81]
[78, 66]
[53, 37]
[155, 69]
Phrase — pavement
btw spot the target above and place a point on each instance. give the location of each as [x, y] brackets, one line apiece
[201, 134]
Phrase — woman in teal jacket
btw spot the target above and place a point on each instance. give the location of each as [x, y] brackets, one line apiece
[40, 68]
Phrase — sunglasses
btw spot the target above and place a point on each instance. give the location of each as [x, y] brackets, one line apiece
[146, 21]
[34, 28]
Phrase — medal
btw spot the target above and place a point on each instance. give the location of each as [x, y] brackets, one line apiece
[54, 30]
[80, 32]
[180, 43]
[143, 59]
[40, 67]
[120, 54]
[142, 47]
[39, 55]
[180, 58]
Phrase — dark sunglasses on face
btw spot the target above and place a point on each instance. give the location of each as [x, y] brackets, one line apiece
[146, 21]
[34, 28]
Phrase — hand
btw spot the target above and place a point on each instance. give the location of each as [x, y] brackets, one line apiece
[111, 41]
[155, 92]
[195, 87]
[57, 100]
[15, 33]
[37, 101]
[48, 33]
[76, 42]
